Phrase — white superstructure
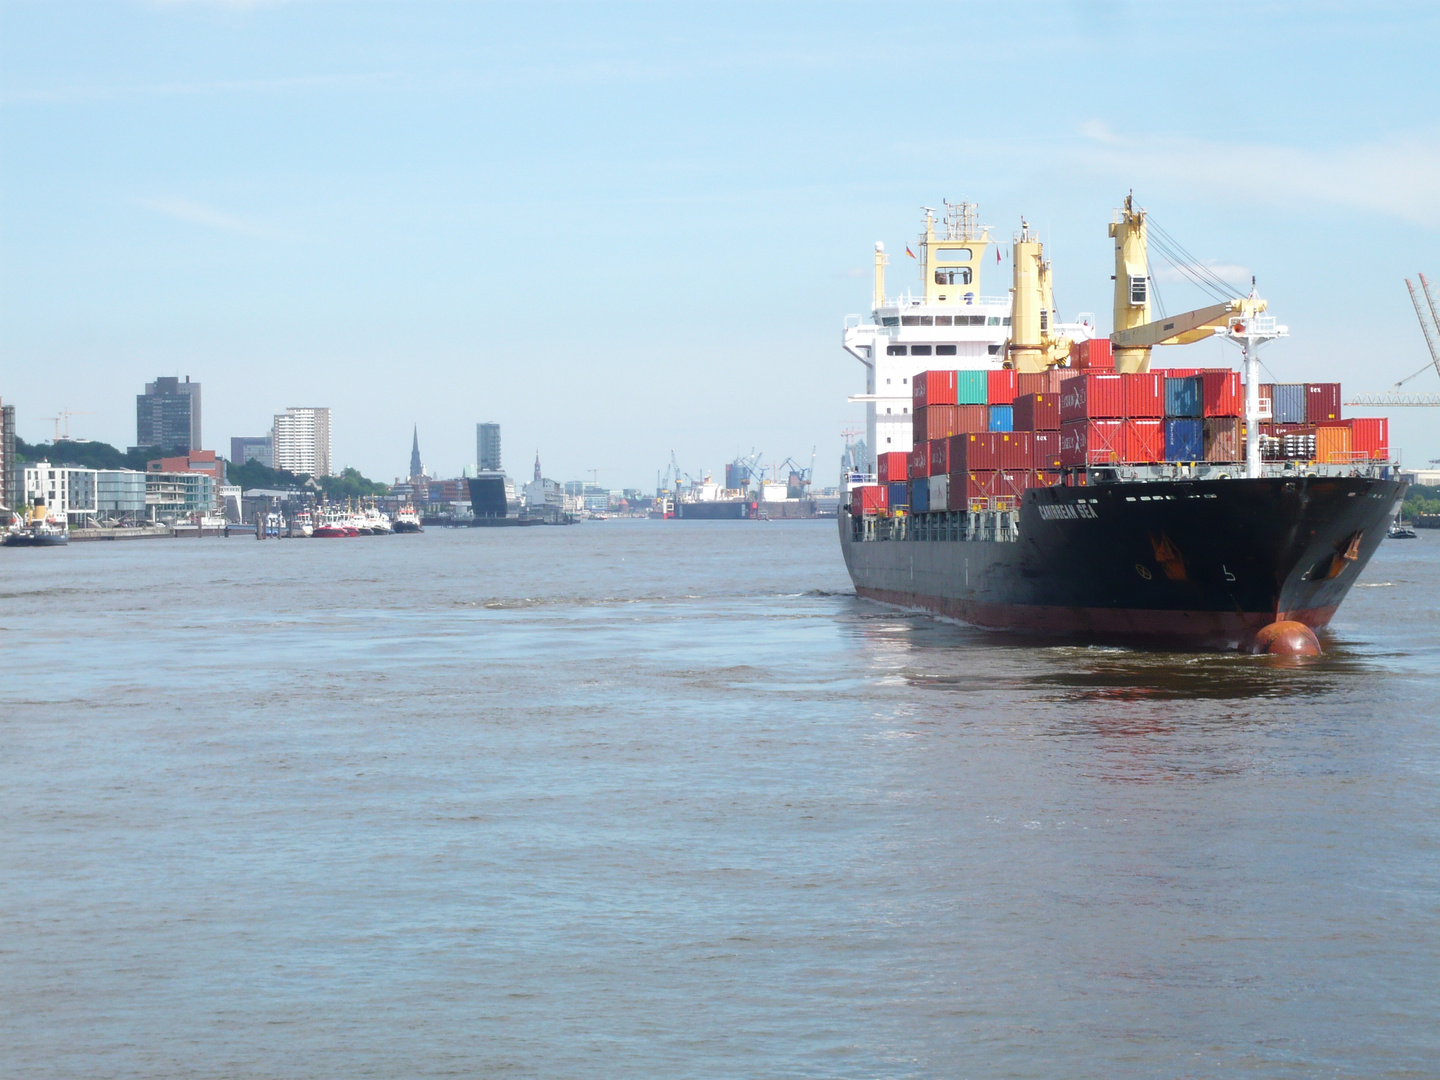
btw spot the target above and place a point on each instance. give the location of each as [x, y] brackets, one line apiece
[949, 324]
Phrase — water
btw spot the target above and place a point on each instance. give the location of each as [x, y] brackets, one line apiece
[644, 799]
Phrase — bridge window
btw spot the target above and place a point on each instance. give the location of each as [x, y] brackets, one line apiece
[895, 350]
[909, 320]
[919, 350]
[945, 254]
[952, 275]
[942, 320]
[944, 350]
[994, 350]
[890, 320]
[994, 320]
[927, 320]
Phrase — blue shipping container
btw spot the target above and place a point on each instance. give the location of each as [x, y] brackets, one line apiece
[1184, 437]
[1184, 397]
[971, 388]
[920, 495]
[1288, 403]
[899, 493]
[1002, 418]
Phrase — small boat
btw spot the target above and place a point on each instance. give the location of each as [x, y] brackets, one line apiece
[1399, 530]
[38, 530]
[407, 521]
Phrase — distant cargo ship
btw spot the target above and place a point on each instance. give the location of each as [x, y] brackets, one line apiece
[1033, 476]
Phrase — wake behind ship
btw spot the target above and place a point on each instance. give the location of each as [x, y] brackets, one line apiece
[1045, 479]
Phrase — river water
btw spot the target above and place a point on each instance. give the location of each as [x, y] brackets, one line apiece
[645, 799]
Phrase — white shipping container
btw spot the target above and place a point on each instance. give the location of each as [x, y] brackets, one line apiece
[939, 493]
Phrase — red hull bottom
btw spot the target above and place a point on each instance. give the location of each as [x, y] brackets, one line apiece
[1227, 630]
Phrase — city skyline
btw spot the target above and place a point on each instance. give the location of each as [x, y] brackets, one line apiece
[371, 205]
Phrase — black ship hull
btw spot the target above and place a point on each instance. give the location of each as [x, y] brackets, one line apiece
[1202, 564]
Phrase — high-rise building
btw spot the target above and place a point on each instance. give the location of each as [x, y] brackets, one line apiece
[301, 441]
[259, 448]
[487, 447]
[168, 414]
[9, 470]
[417, 468]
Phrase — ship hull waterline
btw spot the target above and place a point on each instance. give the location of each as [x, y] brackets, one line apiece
[1179, 564]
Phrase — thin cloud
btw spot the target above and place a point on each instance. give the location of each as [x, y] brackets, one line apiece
[207, 216]
[218, 86]
[1399, 176]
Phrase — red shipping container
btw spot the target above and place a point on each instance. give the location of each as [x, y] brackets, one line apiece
[971, 418]
[1094, 354]
[1370, 436]
[1145, 396]
[1092, 396]
[940, 421]
[1045, 449]
[1006, 483]
[974, 452]
[894, 465]
[1092, 442]
[1014, 449]
[1032, 382]
[1222, 392]
[920, 461]
[1322, 402]
[939, 457]
[999, 387]
[869, 498]
[934, 388]
[1144, 441]
[1037, 412]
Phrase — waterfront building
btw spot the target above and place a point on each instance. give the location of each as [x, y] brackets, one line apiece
[9, 467]
[202, 461]
[487, 447]
[120, 494]
[168, 414]
[172, 495]
[259, 448]
[301, 441]
[66, 490]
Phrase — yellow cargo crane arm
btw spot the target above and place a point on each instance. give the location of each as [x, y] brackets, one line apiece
[1183, 329]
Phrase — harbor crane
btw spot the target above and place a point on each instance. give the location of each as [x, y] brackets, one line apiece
[1394, 397]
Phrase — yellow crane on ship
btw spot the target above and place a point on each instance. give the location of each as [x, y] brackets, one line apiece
[1032, 345]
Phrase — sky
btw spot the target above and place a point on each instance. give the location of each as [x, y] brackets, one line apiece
[622, 230]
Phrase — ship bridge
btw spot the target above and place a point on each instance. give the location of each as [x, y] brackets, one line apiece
[949, 323]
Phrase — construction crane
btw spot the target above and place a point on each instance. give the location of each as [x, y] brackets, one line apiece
[65, 415]
[1394, 398]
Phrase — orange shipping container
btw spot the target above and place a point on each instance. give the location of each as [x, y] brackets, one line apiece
[940, 421]
[1332, 444]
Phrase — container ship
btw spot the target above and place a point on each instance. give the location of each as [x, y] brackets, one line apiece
[1030, 475]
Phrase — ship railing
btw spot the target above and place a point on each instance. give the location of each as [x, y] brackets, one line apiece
[907, 300]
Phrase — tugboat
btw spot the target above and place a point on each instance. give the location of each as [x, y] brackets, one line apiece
[1248, 540]
[1400, 529]
[38, 530]
[407, 521]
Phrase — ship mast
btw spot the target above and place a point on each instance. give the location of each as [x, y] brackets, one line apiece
[1250, 332]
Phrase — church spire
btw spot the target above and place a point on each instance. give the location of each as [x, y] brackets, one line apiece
[537, 463]
[416, 469]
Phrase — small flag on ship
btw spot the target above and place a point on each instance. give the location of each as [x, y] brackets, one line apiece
[909, 252]
[997, 253]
